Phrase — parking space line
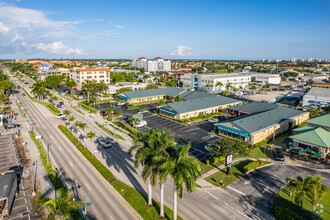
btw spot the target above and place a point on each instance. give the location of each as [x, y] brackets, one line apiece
[289, 160]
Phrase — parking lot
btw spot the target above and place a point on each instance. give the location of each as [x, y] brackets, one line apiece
[9, 161]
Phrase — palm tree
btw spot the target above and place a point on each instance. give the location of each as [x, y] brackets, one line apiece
[183, 169]
[303, 187]
[90, 135]
[109, 111]
[38, 89]
[228, 86]
[134, 121]
[318, 190]
[71, 119]
[87, 87]
[63, 206]
[291, 183]
[76, 125]
[66, 112]
[219, 84]
[102, 86]
[70, 84]
[140, 143]
[82, 125]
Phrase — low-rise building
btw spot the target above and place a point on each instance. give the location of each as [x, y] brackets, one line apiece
[215, 82]
[317, 97]
[81, 75]
[264, 78]
[134, 86]
[257, 126]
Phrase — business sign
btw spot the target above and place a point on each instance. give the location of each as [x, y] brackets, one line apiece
[233, 131]
[229, 159]
[38, 137]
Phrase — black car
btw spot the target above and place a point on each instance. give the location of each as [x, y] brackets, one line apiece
[278, 154]
[61, 103]
[26, 83]
[104, 142]
[8, 126]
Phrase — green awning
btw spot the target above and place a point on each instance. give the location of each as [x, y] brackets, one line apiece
[319, 152]
[292, 148]
[290, 143]
[301, 152]
[316, 155]
[308, 149]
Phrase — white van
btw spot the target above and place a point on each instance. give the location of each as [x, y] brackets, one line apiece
[141, 124]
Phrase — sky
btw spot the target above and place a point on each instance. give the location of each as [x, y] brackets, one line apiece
[172, 29]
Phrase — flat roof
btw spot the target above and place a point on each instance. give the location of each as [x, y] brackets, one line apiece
[200, 103]
[169, 91]
[323, 120]
[321, 92]
[254, 123]
[6, 183]
[254, 107]
[318, 136]
[224, 75]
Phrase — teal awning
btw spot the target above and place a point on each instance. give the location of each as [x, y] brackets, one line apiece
[308, 149]
[316, 155]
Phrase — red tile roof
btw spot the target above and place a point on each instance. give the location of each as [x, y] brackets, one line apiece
[142, 58]
[94, 70]
[158, 58]
[293, 67]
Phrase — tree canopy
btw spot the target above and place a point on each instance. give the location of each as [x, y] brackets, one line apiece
[53, 81]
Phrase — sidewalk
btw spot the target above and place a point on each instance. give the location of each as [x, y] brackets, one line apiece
[43, 182]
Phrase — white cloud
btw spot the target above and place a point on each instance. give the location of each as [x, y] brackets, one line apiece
[181, 51]
[58, 48]
[119, 26]
[98, 20]
[3, 29]
[16, 38]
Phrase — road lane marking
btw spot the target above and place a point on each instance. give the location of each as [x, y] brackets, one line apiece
[72, 165]
[110, 217]
[288, 160]
[211, 195]
[88, 186]
[51, 136]
[230, 206]
[235, 190]
[205, 216]
[266, 189]
[60, 148]
[222, 210]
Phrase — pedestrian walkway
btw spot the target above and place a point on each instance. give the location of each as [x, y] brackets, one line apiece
[43, 182]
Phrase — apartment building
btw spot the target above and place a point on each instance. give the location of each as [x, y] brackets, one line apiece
[152, 65]
[209, 82]
[80, 75]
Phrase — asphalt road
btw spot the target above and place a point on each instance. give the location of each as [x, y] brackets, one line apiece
[76, 170]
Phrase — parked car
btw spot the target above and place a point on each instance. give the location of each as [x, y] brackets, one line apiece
[59, 106]
[61, 103]
[61, 116]
[278, 154]
[104, 142]
[121, 103]
[8, 126]
[26, 83]
[112, 101]
[141, 124]
[213, 120]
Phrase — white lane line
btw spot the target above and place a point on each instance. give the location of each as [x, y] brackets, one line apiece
[88, 186]
[230, 206]
[60, 148]
[212, 195]
[110, 217]
[235, 190]
[70, 164]
[205, 216]
[222, 210]
[51, 136]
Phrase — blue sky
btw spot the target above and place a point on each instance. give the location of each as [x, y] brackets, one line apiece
[184, 29]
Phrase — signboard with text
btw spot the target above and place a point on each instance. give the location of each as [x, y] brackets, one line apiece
[229, 159]
[233, 131]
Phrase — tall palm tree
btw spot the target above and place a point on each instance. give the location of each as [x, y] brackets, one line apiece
[87, 87]
[109, 111]
[219, 84]
[318, 190]
[63, 206]
[183, 169]
[90, 135]
[39, 89]
[228, 86]
[76, 126]
[303, 187]
[291, 183]
[134, 121]
[140, 143]
[71, 119]
[102, 86]
[70, 84]
[66, 112]
[82, 125]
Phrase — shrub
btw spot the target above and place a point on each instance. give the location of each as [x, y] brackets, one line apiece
[283, 213]
[125, 127]
[119, 112]
[328, 156]
[207, 162]
[88, 108]
[142, 110]
[253, 165]
[133, 107]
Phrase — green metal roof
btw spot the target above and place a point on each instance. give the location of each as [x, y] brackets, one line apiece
[318, 136]
[201, 103]
[169, 91]
[253, 123]
[188, 95]
[323, 121]
[304, 129]
[254, 107]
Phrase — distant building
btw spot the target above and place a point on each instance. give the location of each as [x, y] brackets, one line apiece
[264, 78]
[297, 60]
[313, 60]
[208, 82]
[317, 97]
[182, 69]
[134, 86]
[152, 65]
[81, 75]
[266, 61]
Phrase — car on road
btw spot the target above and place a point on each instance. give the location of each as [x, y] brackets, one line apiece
[121, 103]
[61, 116]
[8, 126]
[278, 154]
[59, 106]
[18, 87]
[23, 94]
[213, 120]
[26, 83]
[104, 142]
[61, 103]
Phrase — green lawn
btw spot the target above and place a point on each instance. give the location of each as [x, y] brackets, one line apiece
[236, 171]
[282, 199]
[110, 132]
[20, 109]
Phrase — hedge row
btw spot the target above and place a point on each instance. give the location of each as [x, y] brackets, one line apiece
[88, 108]
[110, 132]
[253, 165]
[133, 107]
[283, 213]
[89, 156]
[142, 110]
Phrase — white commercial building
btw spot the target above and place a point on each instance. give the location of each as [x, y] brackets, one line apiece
[80, 75]
[317, 97]
[151, 65]
[264, 78]
[135, 86]
[210, 82]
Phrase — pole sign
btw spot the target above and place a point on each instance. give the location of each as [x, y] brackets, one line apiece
[229, 159]
[38, 137]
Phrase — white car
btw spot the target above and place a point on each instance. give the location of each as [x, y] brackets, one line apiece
[141, 124]
[112, 101]
[121, 103]
[213, 120]
[61, 116]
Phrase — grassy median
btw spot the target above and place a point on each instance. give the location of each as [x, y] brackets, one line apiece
[110, 132]
[136, 199]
